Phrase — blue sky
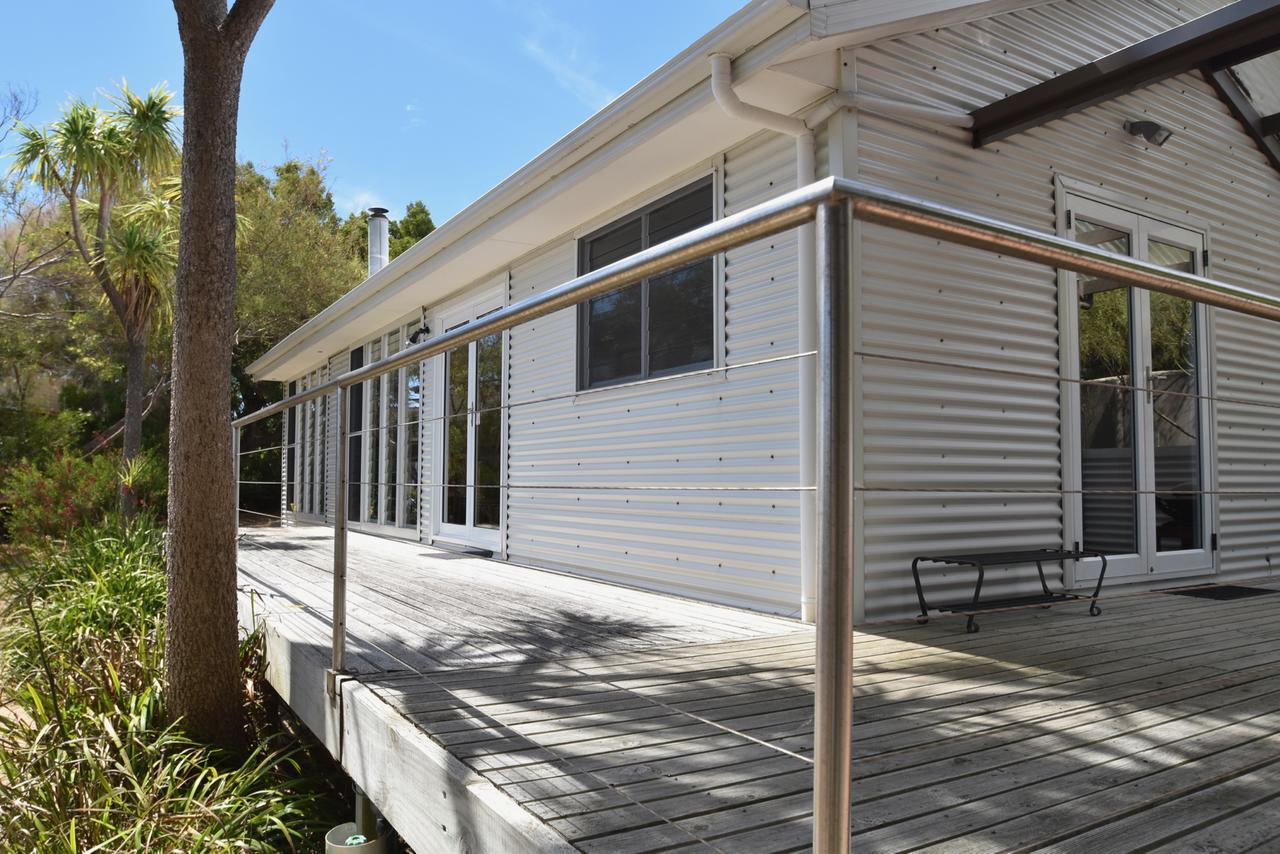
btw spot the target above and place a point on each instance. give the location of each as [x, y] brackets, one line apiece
[407, 100]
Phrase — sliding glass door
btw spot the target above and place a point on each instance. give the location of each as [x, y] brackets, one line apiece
[1137, 430]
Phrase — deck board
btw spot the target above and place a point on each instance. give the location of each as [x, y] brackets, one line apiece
[628, 721]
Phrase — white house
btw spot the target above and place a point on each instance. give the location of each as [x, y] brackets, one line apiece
[999, 405]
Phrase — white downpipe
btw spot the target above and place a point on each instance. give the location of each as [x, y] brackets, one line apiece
[807, 309]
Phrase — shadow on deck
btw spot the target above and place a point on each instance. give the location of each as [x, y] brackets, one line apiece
[509, 709]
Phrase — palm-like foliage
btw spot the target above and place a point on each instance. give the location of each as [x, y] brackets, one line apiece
[97, 158]
[116, 150]
[142, 260]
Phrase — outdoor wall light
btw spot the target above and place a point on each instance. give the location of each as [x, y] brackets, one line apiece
[1152, 132]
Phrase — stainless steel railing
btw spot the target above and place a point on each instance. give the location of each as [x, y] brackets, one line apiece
[832, 204]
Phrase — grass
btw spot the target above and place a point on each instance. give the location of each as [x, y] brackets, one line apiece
[89, 762]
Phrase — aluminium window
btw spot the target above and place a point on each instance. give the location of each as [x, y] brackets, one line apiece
[663, 325]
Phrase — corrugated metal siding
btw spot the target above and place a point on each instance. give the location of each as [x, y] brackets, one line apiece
[935, 427]
[726, 429]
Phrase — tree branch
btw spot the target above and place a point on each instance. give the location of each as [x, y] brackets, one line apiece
[100, 441]
[243, 21]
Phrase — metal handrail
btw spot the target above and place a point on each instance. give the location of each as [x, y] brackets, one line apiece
[832, 203]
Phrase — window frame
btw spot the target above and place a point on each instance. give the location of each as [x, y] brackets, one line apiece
[582, 324]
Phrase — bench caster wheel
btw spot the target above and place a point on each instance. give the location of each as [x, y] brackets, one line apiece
[1094, 610]
[920, 621]
[972, 627]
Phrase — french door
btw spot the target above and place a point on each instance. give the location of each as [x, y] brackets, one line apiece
[1141, 462]
[470, 497]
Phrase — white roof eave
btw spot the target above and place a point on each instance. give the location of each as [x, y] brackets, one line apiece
[743, 30]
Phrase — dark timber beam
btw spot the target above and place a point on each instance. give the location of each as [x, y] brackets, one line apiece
[1229, 90]
[1241, 31]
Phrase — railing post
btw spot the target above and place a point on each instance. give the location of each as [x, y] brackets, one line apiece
[339, 663]
[833, 681]
[235, 469]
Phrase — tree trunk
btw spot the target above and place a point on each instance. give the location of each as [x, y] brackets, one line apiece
[135, 378]
[203, 684]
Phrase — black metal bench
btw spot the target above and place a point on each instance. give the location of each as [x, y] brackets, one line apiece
[982, 561]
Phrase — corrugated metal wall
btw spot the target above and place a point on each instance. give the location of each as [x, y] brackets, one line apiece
[726, 429]
[934, 427]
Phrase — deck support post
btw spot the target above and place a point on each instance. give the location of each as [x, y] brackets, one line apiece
[339, 662]
[833, 684]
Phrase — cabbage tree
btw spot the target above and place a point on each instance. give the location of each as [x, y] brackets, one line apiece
[114, 168]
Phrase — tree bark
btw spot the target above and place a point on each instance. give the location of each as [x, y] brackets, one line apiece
[135, 367]
[203, 684]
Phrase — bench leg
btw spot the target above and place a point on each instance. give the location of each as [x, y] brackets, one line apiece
[1044, 585]
[924, 608]
[972, 625]
[1094, 610]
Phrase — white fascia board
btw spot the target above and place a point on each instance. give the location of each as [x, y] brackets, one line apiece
[752, 24]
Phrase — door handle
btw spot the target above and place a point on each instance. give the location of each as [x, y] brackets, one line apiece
[1149, 381]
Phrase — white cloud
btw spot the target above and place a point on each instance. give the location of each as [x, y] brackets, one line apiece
[414, 112]
[355, 201]
[556, 46]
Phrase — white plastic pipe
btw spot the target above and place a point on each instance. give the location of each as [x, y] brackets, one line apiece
[807, 311]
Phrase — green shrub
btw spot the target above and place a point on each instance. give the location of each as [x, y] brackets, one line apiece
[97, 599]
[89, 762]
[117, 780]
[49, 500]
[27, 434]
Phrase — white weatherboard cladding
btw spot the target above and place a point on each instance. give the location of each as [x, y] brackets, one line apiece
[936, 427]
[724, 429]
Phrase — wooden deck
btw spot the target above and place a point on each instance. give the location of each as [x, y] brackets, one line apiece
[601, 719]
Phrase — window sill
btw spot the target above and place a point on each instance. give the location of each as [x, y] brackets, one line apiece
[697, 376]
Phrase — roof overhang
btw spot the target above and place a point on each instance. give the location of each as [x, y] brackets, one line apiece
[1234, 34]
[663, 126]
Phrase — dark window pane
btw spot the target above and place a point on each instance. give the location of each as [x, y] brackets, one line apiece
[614, 336]
[457, 385]
[679, 307]
[680, 215]
[682, 319]
[1103, 237]
[375, 434]
[614, 245]
[354, 460]
[1176, 409]
[488, 468]
[1108, 463]
[355, 394]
